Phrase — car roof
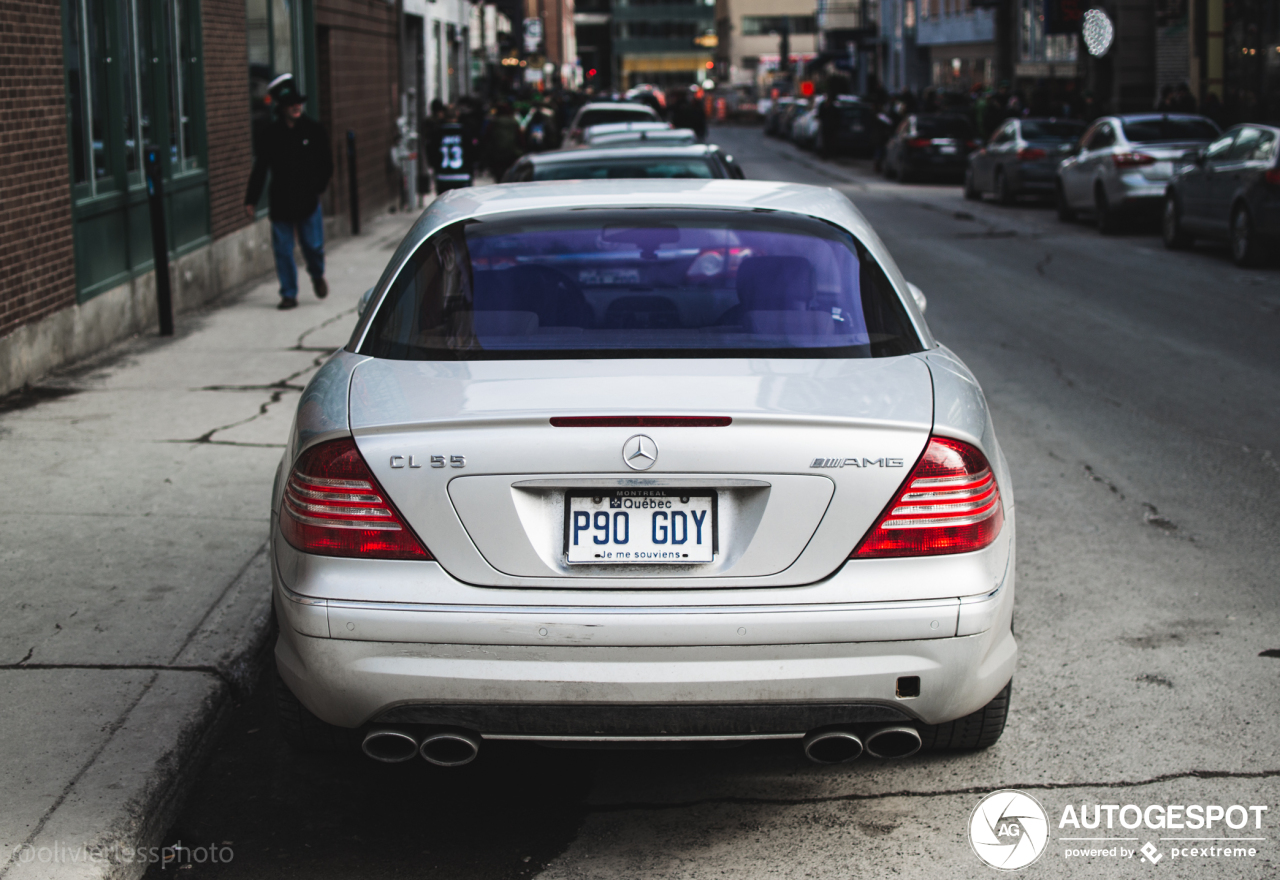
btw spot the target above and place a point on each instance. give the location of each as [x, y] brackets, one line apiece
[667, 136]
[618, 105]
[632, 149]
[1054, 119]
[1148, 117]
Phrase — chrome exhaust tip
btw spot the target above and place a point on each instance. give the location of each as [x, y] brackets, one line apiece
[389, 746]
[450, 748]
[832, 746]
[894, 742]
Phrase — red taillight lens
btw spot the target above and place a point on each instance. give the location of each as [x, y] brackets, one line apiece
[1273, 176]
[1031, 154]
[334, 507]
[918, 143]
[1132, 160]
[949, 504]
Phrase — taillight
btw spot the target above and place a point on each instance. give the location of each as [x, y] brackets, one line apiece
[920, 143]
[1132, 160]
[1273, 176]
[333, 506]
[950, 503]
[1030, 154]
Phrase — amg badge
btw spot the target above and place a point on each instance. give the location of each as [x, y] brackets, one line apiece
[856, 462]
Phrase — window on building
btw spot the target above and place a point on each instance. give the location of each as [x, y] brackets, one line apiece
[134, 79]
[764, 25]
[271, 28]
[1035, 44]
[658, 30]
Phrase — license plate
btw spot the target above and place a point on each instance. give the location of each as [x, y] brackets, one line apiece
[646, 526]
[947, 150]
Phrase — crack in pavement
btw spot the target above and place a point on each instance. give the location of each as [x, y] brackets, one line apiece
[298, 346]
[911, 793]
[118, 667]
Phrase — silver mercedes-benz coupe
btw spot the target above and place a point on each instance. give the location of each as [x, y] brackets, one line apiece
[643, 461]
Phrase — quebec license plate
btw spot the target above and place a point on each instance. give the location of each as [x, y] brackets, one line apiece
[660, 526]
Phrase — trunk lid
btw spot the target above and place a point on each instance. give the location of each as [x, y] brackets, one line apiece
[467, 453]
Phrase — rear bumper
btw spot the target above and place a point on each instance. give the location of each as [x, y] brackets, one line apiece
[570, 672]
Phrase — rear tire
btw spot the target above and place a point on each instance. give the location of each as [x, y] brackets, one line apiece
[978, 730]
[1176, 238]
[1004, 192]
[1066, 214]
[971, 191]
[1103, 214]
[303, 731]
[1245, 248]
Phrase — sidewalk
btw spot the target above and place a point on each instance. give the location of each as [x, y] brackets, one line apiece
[133, 563]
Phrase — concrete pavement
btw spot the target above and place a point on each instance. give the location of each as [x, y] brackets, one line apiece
[135, 577]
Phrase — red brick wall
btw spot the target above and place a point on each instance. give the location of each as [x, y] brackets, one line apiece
[37, 255]
[226, 97]
[358, 92]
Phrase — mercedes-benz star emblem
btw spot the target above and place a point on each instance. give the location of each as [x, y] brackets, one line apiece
[640, 452]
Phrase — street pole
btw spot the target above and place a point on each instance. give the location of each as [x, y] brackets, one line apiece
[353, 182]
[159, 240]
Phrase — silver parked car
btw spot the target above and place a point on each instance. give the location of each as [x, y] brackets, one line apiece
[1123, 164]
[636, 461]
[627, 160]
[608, 113]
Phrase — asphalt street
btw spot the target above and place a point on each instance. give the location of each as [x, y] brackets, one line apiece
[1135, 393]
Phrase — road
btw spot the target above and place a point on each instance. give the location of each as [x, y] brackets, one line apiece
[1135, 392]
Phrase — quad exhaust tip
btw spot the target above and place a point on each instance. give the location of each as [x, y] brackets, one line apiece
[389, 746]
[832, 746]
[450, 749]
[894, 742]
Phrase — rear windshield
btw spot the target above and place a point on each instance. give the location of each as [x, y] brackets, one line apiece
[602, 169]
[1043, 130]
[1147, 131]
[615, 114]
[939, 127]
[640, 283]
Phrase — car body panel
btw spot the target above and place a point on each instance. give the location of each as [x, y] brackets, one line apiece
[1229, 173]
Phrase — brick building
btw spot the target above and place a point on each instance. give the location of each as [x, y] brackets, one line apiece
[87, 84]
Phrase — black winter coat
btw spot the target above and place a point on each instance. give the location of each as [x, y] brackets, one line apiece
[300, 163]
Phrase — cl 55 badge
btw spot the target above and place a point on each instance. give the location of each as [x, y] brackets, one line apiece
[856, 462]
[437, 461]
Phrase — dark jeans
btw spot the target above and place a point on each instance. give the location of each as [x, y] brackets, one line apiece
[310, 235]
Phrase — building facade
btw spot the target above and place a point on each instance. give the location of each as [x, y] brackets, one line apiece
[90, 84]
[961, 43]
[750, 37]
[664, 42]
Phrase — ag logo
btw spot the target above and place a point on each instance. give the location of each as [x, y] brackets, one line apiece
[1008, 829]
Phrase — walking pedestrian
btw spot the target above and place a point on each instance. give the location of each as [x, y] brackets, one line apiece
[502, 143]
[295, 149]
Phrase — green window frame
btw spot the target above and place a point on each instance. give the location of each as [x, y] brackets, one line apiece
[134, 76]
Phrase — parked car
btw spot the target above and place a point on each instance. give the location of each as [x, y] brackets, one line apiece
[1021, 157]
[625, 135]
[804, 125]
[856, 131]
[594, 132]
[929, 145]
[633, 160]
[643, 461]
[777, 111]
[599, 113]
[1231, 190]
[1123, 164]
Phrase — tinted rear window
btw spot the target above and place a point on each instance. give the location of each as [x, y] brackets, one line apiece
[1051, 131]
[640, 283]
[1147, 131]
[618, 114]
[601, 169]
[942, 127]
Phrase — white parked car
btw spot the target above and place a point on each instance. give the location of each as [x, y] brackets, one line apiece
[636, 461]
[607, 113]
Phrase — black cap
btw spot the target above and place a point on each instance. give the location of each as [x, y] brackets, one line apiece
[284, 91]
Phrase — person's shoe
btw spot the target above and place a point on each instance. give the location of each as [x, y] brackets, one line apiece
[287, 302]
[320, 286]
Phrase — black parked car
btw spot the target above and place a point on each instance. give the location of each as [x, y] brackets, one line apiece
[1230, 189]
[1020, 158]
[929, 145]
[855, 130]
